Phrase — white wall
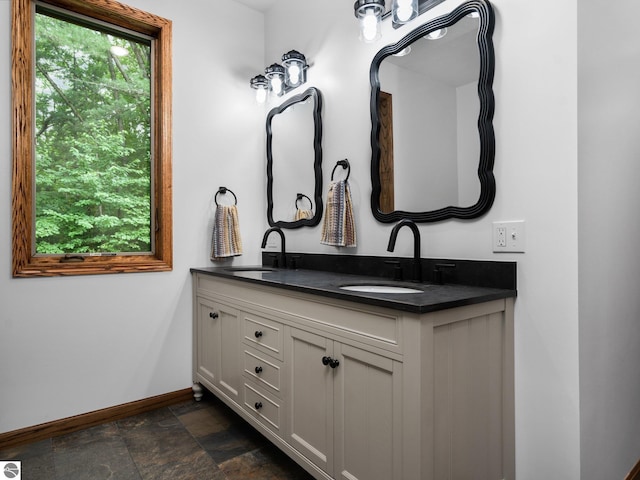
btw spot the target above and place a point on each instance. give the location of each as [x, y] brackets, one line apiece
[73, 345]
[609, 174]
[536, 173]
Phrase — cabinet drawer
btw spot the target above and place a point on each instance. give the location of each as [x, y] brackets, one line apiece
[261, 407]
[263, 334]
[264, 372]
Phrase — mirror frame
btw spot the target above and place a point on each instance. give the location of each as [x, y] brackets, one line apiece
[485, 117]
[315, 94]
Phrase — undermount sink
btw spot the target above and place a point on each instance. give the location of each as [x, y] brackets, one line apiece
[249, 269]
[379, 289]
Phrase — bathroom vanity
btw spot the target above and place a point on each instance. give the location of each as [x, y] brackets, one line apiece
[362, 384]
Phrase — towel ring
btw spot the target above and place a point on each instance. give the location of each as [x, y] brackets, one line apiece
[299, 196]
[344, 164]
[225, 190]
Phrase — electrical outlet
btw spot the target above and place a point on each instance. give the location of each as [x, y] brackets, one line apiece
[509, 236]
[501, 237]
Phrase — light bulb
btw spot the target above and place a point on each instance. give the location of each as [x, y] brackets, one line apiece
[404, 52]
[118, 51]
[369, 25]
[404, 10]
[436, 34]
[404, 13]
[276, 85]
[294, 74]
[261, 95]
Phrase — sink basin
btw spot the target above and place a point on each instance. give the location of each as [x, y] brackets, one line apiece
[379, 289]
[249, 269]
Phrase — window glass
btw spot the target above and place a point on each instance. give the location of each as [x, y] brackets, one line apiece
[92, 138]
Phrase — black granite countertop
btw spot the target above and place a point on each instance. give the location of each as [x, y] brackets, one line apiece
[433, 297]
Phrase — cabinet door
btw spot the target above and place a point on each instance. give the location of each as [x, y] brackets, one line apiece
[310, 428]
[368, 415]
[218, 352]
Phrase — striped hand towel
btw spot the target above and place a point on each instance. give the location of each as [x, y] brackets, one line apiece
[339, 228]
[225, 240]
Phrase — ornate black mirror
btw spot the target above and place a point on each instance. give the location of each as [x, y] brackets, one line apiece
[294, 161]
[432, 108]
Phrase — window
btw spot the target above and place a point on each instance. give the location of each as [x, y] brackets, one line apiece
[92, 139]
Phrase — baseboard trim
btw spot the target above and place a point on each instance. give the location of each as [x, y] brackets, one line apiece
[634, 474]
[91, 419]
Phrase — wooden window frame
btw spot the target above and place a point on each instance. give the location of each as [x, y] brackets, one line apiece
[25, 263]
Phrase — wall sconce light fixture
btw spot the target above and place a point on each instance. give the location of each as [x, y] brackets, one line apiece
[275, 75]
[370, 14]
[261, 85]
[280, 79]
[295, 65]
[403, 11]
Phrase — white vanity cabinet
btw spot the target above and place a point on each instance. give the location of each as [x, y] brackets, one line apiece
[216, 337]
[354, 391]
[344, 407]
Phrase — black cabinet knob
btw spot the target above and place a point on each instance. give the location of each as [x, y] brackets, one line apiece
[332, 362]
[258, 370]
[258, 333]
[258, 405]
[213, 314]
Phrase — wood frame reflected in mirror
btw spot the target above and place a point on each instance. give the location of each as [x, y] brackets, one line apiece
[380, 146]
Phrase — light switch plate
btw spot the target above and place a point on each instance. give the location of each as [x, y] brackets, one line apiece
[509, 236]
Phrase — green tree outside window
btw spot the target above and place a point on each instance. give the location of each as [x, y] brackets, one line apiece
[93, 167]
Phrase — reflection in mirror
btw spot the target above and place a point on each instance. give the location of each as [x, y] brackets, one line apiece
[431, 110]
[447, 93]
[294, 160]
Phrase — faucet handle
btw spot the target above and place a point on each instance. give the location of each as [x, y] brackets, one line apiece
[294, 261]
[274, 259]
[438, 270]
[397, 269]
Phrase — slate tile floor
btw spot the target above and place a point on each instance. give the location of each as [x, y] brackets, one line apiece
[193, 440]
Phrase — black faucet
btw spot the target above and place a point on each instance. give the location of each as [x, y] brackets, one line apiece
[283, 254]
[417, 265]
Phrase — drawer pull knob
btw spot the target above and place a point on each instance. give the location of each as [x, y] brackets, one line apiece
[258, 405]
[326, 360]
[258, 333]
[258, 370]
[213, 314]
